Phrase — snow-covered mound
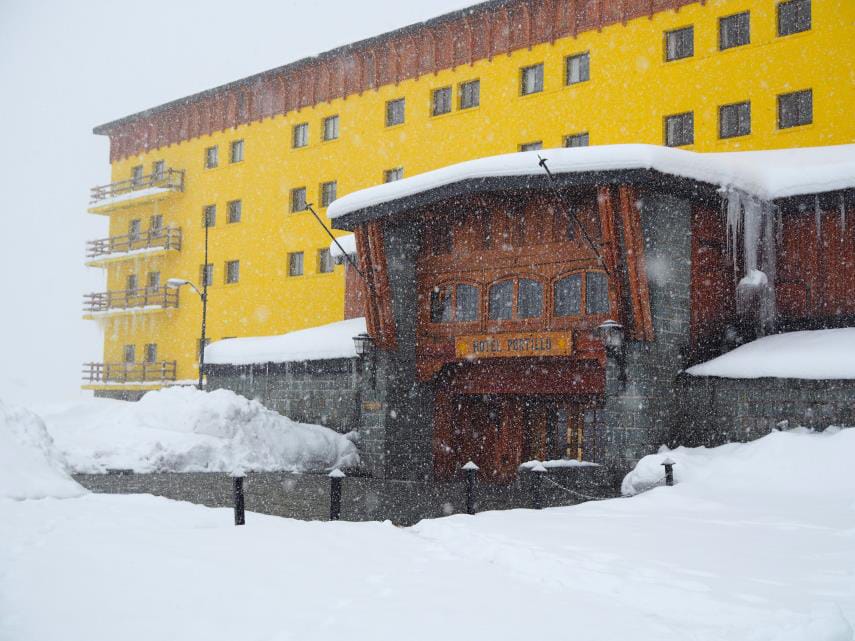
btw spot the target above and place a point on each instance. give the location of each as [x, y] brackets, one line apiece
[30, 466]
[181, 429]
[818, 354]
[792, 464]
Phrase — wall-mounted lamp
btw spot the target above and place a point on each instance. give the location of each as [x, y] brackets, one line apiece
[365, 347]
[612, 334]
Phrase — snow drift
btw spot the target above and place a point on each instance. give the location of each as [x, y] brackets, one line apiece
[30, 466]
[181, 429]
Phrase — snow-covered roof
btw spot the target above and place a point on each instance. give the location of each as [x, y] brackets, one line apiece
[316, 343]
[348, 244]
[766, 174]
[817, 355]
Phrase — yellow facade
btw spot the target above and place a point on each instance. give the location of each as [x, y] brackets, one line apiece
[630, 91]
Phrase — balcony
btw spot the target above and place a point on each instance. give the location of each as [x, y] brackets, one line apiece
[130, 301]
[135, 191]
[97, 374]
[151, 242]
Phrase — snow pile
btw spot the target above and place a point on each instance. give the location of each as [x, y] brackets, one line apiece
[181, 429]
[30, 466]
[348, 244]
[765, 174]
[818, 354]
[316, 343]
[792, 464]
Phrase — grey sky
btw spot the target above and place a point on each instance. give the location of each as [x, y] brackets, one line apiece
[67, 66]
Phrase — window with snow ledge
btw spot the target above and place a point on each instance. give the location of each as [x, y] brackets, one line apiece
[531, 79]
[395, 112]
[680, 129]
[679, 44]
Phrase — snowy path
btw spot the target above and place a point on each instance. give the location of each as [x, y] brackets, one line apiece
[669, 564]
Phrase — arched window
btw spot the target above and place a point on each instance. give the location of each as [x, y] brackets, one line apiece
[596, 293]
[530, 299]
[502, 300]
[567, 296]
[454, 303]
[466, 303]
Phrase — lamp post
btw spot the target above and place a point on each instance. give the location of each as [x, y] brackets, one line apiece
[177, 283]
[612, 335]
[364, 345]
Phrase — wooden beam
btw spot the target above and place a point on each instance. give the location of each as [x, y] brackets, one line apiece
[639, 292]
[610, 250]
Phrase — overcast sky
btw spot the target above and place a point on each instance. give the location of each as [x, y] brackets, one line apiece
[68, 66]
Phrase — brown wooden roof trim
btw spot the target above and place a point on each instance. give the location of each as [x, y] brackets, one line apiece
[462, 37]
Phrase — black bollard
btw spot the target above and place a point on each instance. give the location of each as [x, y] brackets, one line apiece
[669, 471]
[537, 485]
[240, 518]
[336, 477]
[471, 476]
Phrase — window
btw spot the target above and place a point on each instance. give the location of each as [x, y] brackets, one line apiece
[131, 283]
[331, 128]
[793, 17]
[466, 303]
[326, 264]
[440, 305]
[680, 129]
[469, 94]
[531, 79]
[530, 299]
[328, 193]
[155, 225]
[206, 275]
[531, 146]
[576, 140]
[501, 300]
[235, 208]
[150, 353]
[153, 281]
[158, 170]
[129, 353]
[298, 199]
[795, 109]
[232, 272]
[395, 112]
[391, 175]
[679, 43]
[734, 120]
[596, 293]
[567, 296]
[734, 31]
[211, 157]
[441, 102]
[300, 135]
[578, 68]
[134, 229]
[295, 264]
[237, 151]
[209, 216]
[137, 174]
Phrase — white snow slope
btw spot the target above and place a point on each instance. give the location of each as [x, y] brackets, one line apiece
[817, 354]
[181, 429]
[756, 543]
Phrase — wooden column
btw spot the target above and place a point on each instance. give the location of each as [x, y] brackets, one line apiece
[639, 292]
[610, 247]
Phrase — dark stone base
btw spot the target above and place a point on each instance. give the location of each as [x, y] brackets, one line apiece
[120, 395]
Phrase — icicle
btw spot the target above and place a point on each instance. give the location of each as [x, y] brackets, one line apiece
[733, 224]
[752, 223]
[817, 212]
[842, 214]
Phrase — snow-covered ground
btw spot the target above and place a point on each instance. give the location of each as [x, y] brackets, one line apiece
[181, 429]
[755, 543]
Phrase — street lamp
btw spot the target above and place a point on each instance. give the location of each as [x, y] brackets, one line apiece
[177, 283]
[612, 335]
[364, 346]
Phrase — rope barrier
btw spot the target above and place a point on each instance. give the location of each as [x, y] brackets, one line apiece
[603, 498]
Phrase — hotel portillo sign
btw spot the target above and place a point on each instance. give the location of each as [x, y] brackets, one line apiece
[513, 345]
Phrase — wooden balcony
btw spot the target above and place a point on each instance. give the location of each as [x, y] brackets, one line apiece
[124, 373]
[133, 191]
[131, 300]
[121, 247]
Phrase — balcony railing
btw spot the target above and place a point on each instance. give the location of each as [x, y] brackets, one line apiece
[130, 299]
[165, 238]
[106, 373]
[167, 179]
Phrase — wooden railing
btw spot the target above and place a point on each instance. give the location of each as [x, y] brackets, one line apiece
[166, 238]
[167, 179]
[131, 298]
[129, 372]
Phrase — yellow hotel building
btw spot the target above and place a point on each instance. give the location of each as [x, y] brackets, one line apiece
[714, 75]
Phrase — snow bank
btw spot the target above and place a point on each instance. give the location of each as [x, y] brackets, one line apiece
[30, 466]
[316, 343]
[791, 464]
[765, 174]
[348, 244]
[818, 354]
[181, 429]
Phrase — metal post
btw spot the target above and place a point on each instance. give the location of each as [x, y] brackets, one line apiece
[204, 307]
[240, 518]
[336, 477]
[471, 476]
[537, 485]
[669, 471]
